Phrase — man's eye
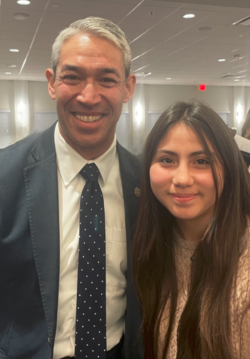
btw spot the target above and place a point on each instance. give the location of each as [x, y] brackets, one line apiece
[70, 79]
[108, 81]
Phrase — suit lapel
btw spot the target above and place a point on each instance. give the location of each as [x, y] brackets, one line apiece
[42, 198]
[130, 170]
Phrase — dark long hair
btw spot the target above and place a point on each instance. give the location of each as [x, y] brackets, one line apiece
[204, 330]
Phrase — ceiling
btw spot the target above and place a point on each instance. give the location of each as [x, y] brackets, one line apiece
[163, 43]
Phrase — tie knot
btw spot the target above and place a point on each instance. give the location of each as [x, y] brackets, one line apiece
[90, 172]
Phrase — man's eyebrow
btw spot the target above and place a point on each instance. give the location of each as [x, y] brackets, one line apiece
[70, 68]
[101, 70]
[109, 70]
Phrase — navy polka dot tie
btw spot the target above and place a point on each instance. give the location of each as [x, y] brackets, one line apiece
[91, 291]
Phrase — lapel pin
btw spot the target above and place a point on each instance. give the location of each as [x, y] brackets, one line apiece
[137, 192]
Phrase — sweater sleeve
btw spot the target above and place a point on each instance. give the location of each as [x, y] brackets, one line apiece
[240, 309]
[245, 336]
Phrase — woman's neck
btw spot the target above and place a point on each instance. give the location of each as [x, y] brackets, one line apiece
[191, 230]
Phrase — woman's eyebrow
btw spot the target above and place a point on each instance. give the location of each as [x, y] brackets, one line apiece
[192, 154]
[168, 152]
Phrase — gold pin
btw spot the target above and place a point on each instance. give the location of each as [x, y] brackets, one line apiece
[137, 192]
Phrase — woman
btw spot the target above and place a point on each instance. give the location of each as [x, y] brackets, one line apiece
[191, 246]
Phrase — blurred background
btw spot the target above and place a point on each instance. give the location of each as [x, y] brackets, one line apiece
[197, 49]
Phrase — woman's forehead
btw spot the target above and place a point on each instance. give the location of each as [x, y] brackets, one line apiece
[182, 133]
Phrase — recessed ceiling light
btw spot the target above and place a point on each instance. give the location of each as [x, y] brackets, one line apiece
[222, 60]
[236, 80]
[20, 16]
[7, 73]
[189, 16]
[14, 50]
[168, 78]
[11, 65]
[23, 2]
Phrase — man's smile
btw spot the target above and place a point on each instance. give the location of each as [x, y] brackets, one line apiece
[89, 118]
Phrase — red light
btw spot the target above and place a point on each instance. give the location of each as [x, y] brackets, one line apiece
[202, 87]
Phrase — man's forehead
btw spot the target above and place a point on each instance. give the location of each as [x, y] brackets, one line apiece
[83, 38]
[85, 44]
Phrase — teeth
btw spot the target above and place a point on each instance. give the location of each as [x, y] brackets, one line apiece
[88, 118]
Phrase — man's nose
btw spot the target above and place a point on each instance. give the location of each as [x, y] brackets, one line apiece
[183, 176]
[89, 94]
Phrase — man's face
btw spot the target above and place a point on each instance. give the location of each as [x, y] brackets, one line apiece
[89, 89]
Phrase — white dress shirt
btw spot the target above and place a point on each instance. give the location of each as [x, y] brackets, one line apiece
[243, 143]
[70, 186]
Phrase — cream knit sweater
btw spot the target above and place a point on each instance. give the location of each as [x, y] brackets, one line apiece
[240, 318]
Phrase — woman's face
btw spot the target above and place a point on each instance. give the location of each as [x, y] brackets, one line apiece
[181, 176]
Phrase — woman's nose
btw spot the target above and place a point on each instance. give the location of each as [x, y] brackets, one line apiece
[183, 176]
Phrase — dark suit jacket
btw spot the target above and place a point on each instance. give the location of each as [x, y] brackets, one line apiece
[246, 157]
[29, 248]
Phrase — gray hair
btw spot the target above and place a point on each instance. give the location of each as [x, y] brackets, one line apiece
[100, 28]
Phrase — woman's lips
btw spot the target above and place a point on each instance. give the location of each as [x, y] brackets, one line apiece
[183, 198]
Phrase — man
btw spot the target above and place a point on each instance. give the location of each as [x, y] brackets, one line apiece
[244, 146]
[42, 194]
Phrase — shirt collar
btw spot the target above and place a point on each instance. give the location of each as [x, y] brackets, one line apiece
[70, 162]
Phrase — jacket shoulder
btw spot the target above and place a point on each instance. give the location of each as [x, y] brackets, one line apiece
[25, 152]
[22, 145]
[129, 160]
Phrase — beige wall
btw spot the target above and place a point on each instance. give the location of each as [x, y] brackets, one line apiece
[154, 98]
[6, 95]
[159, 97]
[38, 92]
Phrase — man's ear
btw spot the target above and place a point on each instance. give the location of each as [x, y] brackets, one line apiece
[51, 83]
[130, 87]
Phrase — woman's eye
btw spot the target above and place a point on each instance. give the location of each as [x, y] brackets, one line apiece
[166, 160]
[202, 161]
